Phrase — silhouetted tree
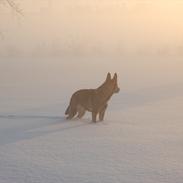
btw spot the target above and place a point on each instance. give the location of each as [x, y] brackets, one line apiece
[14, 6]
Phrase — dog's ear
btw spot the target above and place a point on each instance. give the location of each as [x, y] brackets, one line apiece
[108, 76]
[115, 76]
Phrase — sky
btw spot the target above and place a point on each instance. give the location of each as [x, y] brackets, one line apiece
[57, 47]
[91, 27]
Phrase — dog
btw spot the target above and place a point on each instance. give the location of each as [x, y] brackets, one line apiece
[93, 100]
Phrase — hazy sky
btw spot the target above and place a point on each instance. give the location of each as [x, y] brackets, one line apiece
[140, 40]
[93, 26]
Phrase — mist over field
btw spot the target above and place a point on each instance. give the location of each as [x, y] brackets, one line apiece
[53, 28]
[83, 40]
[57, 47]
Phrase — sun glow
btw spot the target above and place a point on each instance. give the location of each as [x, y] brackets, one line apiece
[96, 26]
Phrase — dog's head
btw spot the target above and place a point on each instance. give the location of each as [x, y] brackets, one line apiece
[113, 82]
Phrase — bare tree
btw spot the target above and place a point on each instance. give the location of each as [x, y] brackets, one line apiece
[14, 6]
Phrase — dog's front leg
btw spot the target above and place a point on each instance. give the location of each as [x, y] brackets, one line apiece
[94, 116]
[102, 113]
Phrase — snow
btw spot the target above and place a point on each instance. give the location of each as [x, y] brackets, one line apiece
[140, 140]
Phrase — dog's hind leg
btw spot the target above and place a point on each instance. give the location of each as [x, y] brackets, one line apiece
[81, 111]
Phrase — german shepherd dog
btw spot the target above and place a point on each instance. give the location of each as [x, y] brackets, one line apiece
[93, 100]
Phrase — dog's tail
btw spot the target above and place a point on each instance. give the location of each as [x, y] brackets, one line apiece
[67, 110]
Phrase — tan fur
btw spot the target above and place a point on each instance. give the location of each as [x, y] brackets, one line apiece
[93, 100]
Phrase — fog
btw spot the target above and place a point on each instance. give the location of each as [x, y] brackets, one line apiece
[114, 27]
[57, 47]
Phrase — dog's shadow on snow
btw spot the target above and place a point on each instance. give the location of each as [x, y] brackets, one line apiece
[25, 127]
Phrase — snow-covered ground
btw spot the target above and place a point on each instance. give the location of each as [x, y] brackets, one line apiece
[141, 140]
